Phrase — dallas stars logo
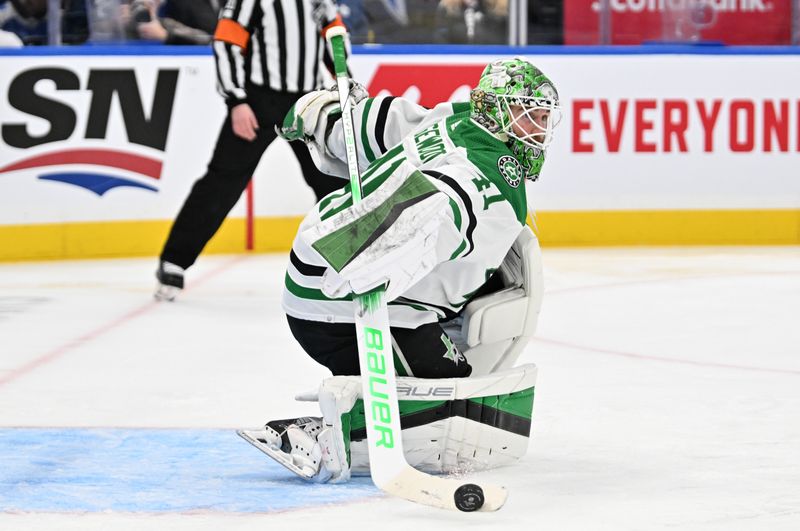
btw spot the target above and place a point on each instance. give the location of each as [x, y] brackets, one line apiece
[510, 169]
[452, 353]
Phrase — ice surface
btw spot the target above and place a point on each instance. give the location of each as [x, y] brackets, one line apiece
[668, 398]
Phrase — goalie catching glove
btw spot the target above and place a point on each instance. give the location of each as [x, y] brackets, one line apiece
[309, 116]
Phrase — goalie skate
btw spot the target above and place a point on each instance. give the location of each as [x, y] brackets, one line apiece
[291, 442]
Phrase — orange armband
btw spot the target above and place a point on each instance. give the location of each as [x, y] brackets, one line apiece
[231, 32]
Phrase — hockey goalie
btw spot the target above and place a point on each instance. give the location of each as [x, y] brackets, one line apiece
[442, 225]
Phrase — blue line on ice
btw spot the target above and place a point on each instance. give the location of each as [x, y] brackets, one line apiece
[151, 470]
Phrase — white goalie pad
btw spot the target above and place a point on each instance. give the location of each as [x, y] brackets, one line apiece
[493, 329]
[459, 425]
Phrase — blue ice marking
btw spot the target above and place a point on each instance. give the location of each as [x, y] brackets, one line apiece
[152, 470]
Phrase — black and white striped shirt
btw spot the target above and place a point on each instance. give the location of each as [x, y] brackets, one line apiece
[277, 44]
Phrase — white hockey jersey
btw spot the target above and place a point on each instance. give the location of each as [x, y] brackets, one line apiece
[414, 153]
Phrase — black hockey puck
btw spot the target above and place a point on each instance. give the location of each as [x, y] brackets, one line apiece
[468, 497]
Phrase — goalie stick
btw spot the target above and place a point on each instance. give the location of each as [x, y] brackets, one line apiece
[389, 469]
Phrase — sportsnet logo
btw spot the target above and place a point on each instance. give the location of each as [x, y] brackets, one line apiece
[62, 119]
[96, 182]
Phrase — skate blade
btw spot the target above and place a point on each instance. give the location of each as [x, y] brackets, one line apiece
[255, 438]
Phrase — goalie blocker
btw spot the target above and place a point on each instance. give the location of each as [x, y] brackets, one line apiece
[448, 425]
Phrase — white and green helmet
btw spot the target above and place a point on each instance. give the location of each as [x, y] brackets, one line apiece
[516, 82]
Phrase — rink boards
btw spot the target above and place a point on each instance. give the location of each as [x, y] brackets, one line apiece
[665, 145]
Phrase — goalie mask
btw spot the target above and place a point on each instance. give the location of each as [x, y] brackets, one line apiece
[517, 103]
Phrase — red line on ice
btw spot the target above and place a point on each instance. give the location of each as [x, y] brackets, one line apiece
[662, 358]
[682, 361]
[58, 352]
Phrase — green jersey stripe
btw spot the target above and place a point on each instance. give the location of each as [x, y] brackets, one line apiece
[332, 196]
[309, 293]
[456, 214]
[414, 306]
[465, 200]
[386, 158]
[364, 134]
[461, 107]
[459, 250]
[368, 189]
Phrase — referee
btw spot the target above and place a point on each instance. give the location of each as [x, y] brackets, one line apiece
[268, 53]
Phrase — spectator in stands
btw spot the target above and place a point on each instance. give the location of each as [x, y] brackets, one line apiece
[358, 21]
[9, 39]
[14, 27]
[27, 19]
[472, 21]
[173, 21]
[426, 21]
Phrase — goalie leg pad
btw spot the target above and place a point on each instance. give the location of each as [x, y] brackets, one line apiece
[338, 395]
[452, 425]
[493, 329]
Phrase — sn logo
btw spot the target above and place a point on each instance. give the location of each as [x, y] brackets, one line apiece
[103, 84]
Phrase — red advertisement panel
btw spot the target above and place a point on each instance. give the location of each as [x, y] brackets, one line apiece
[435, 83]
[640, 21]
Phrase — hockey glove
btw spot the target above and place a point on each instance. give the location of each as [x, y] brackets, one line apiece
[309, 116]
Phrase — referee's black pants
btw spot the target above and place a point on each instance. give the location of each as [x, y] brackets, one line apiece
[229, 171]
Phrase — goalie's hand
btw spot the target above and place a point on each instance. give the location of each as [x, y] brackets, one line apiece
[358, 91]
[308, 118]
[302, 119]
